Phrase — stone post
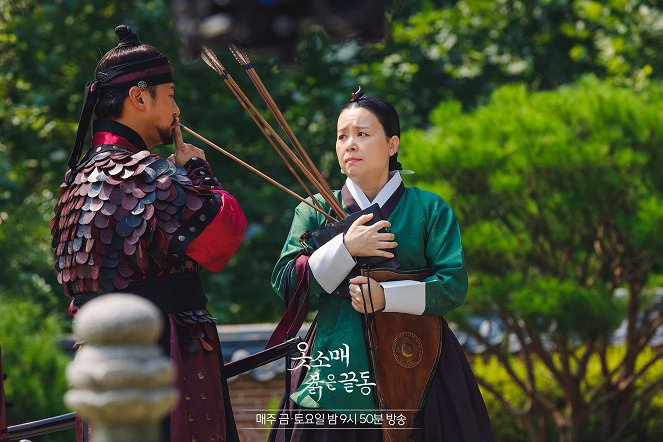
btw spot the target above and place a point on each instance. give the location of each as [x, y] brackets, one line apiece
[120, 380]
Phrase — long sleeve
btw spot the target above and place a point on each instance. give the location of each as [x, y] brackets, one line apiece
[284, 276]
[331, 263]
[212, 233]
[445, 290]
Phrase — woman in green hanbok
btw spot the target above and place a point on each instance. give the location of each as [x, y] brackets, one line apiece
[332, 389]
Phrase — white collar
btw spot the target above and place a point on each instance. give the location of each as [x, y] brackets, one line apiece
[385, 193]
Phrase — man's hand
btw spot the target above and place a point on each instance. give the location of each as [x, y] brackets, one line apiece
[184, 151]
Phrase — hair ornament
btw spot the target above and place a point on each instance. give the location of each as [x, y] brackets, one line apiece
[142, 85]
[357, 96]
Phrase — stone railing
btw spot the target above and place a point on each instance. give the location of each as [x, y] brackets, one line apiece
[119, 380]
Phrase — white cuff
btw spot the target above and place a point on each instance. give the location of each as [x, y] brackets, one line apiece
[331, 263]
[404, 297]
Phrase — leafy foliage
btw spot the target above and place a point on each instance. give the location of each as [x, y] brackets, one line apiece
[465, 49]
[644, 429]
[552, 189]
[30, 357]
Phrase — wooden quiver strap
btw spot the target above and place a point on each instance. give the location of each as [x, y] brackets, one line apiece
[405, 360]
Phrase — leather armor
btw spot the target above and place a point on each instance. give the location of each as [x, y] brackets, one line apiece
[126, 216]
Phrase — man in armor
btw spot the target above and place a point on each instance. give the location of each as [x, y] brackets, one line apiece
[130, 221]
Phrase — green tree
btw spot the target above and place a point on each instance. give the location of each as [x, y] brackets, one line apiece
[559, 195]
[29, 347]
[465, 49]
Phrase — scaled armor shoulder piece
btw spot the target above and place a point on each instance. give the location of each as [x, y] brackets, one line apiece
[115, 219]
